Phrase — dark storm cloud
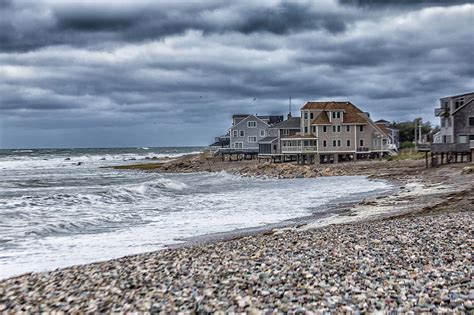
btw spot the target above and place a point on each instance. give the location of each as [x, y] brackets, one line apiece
[95, 23]
[180, 69]
[402, 3]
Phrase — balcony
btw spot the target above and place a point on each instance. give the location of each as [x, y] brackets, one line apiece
[439, 112]
[299, 149]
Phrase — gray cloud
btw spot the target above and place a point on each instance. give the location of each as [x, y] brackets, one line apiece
[115, 73]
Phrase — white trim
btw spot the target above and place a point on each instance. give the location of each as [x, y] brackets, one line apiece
[241, 133]
[251, 121]
[264, 133]
[248, 139]
[245, 119]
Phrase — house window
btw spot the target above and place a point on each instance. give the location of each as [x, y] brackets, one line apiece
[443, 122]
[262, 132]
[251, 124]
[325, 143]
[325, 129]
[376, 142]
[333, 128]
[336, 115]
[305, 115]
[238, 145]
[361, 142]
[336, 128]
[313, 129]
[361, 128]
[235, 133]
[306, 129]
[348, 143]
[242, 133]
[252, 139]
[286, 132]
[348, 128]
[462, 139]
[334, 143]
[311, 115]
[338, 143]
[471, 121]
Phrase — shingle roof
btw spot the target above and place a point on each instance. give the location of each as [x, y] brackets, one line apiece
[352, 114]
[383, 128]
[268, 139]
[322, 119]
[291, 123]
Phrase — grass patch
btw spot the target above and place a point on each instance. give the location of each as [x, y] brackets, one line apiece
[408, 156]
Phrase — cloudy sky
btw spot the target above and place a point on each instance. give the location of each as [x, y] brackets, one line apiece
[158, 73]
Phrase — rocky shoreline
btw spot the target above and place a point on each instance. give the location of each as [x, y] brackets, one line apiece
[410, 252]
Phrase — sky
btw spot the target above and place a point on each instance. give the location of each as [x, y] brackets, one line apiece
[171, 73]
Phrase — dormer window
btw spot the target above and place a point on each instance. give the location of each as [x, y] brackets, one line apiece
[252, 124]
[336, 115]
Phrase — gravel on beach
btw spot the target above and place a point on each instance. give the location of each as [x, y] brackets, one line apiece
[413, 263]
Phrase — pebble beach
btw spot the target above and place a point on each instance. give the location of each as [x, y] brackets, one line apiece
[415, 260]
[419, 264]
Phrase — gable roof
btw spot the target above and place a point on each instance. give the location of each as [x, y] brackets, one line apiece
[322, 119]
[290, 123]
[246, 119]
[463, 106]
[352, 114]
[383, 128]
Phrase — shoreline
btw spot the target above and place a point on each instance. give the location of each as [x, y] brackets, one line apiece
[434, 194]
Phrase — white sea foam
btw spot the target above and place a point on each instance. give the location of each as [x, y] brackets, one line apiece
[54, 217]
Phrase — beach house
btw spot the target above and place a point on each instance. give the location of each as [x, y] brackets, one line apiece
[328, 132]
[248, 130]
[456, 136]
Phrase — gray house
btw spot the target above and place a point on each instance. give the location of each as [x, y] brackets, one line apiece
[456, 115]
[271, 144]
[247, 131]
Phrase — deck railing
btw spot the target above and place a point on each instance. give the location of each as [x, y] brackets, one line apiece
[299, 149]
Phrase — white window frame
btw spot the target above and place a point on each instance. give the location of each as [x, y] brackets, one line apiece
[236, 145]
[235, 133]
[241, 133]
[254, 124]
[334, 143]
[262, 132]
[253, 137]
[286, 132]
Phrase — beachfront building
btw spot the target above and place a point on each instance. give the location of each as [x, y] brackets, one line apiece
[393, 133]
[248, 130]
[271, 145]
[330, 132]
[456, 136]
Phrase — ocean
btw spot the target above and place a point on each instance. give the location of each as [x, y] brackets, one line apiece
[60, 207]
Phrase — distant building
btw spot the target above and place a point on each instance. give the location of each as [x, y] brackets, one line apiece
[272, 143]
[326, 132]
[248, 130]
[456, 115]
[393, 134]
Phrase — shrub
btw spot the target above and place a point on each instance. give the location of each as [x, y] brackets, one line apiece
[407, 144]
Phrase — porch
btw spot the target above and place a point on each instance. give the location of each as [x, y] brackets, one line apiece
[299, 145]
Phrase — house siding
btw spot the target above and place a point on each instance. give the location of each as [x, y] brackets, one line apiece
[248, 132]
